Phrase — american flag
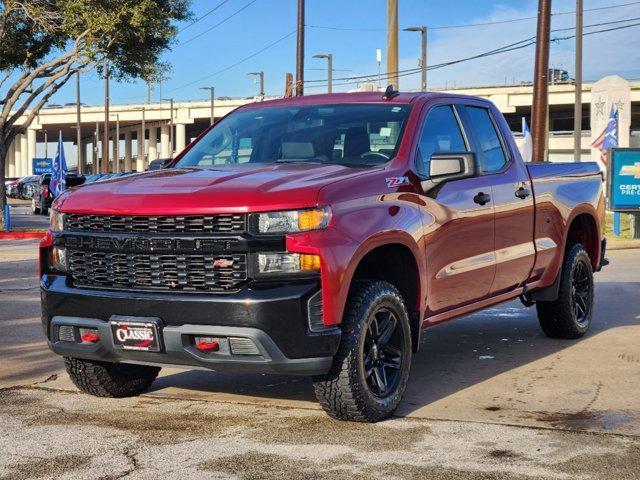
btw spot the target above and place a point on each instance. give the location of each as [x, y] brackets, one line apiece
[609, 136]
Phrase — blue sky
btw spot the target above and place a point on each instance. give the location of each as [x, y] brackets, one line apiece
[265, 21]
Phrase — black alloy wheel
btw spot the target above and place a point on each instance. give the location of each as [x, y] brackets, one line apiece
[382, 356]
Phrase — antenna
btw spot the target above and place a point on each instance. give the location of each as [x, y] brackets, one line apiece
[389, 93]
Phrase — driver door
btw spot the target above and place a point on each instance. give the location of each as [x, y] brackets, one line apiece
[459, 230]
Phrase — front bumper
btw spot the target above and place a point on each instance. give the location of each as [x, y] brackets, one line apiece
[272, 316]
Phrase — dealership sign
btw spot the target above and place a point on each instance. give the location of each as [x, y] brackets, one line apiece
[42, 166]
[624, 179]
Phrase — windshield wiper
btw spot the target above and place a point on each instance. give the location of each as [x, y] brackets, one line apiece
[296, 160]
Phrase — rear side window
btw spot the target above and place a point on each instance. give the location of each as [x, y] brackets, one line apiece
[440, 134]
[492, 158]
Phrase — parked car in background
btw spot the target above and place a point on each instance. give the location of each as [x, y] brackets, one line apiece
[43, 197]
[9, 185]
[26, 186]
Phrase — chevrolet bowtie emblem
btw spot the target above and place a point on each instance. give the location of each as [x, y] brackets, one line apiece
[631, 170]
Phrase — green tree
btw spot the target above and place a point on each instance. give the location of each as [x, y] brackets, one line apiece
[43, 43]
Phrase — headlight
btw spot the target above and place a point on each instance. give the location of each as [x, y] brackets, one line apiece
[291, 221]
[275, 263]
[57, 221]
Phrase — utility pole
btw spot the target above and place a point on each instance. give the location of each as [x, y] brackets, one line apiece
[577, 110]
[105, 134]
[144, 136]
[260, 76]
[392, 44]
[423, 54]
[329, 57]
[80, 153]
[378, 61]
[540, 108]
[212, 91]
[300, 51]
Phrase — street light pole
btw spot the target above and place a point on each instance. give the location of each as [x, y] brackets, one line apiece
[212, 91]
[260, 75]
[105, 134]
[423, 54]
[329, 57]
[80, 153]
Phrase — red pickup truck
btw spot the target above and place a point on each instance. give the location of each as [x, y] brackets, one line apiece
[317, 236]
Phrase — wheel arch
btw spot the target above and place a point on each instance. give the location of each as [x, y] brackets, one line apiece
[583, 228]
[398, 261]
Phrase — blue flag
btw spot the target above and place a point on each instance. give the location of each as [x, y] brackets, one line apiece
[58, 183]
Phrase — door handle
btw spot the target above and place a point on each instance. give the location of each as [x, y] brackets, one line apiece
[482, 198]
[523, 193]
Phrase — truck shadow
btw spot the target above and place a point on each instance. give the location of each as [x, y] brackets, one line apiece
[453, 357]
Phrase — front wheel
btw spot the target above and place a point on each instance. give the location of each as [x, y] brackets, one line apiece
[370, 371]
[104, 379]
[569, 316]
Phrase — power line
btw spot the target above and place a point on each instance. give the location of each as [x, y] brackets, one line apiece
[507, 48]
[272, 44]
[203, 16]
[467, 25]
[218, 24]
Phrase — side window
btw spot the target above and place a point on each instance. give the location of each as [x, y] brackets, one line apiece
[440, 134]
[492, 157]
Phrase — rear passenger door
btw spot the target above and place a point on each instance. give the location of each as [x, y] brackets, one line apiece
[511, 194]
[459, 235]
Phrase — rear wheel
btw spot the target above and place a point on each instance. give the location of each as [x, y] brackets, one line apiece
[569, 316]
[43, 207]
[104, 379]
[34, 207]
[370, 371]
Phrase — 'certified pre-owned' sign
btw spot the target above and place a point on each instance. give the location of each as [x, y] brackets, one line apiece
[624, 179]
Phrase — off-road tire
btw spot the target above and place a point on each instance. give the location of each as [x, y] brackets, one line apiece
[43, 210]
[104, 379]
[34, 210]
[343, 392]
[558, 318]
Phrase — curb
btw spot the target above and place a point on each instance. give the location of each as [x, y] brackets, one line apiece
[21, 235]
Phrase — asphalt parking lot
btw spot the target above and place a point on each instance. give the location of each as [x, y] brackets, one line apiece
[489, 397]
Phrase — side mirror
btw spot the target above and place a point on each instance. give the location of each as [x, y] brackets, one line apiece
[444, 167]
[167, 163]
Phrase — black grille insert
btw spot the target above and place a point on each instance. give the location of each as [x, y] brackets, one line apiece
[220, 223]
[134, 271]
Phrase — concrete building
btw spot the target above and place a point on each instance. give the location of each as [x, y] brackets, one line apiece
[167, 132]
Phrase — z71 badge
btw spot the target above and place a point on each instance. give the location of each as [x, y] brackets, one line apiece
[397, 181]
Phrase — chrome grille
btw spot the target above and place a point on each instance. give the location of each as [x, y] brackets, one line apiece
[135, 271]
[220, 223]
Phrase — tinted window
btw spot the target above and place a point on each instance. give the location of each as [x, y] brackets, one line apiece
[491, 157]
[357, 135]
[440, 134]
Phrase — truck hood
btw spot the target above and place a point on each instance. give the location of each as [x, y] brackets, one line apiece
[193, 191]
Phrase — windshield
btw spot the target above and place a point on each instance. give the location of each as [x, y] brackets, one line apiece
[356, 135]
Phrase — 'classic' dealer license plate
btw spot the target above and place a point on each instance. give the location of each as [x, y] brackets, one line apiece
[136, 335]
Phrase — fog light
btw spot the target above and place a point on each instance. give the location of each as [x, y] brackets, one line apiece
[287, 263]
[89, 335]
[207, 344]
